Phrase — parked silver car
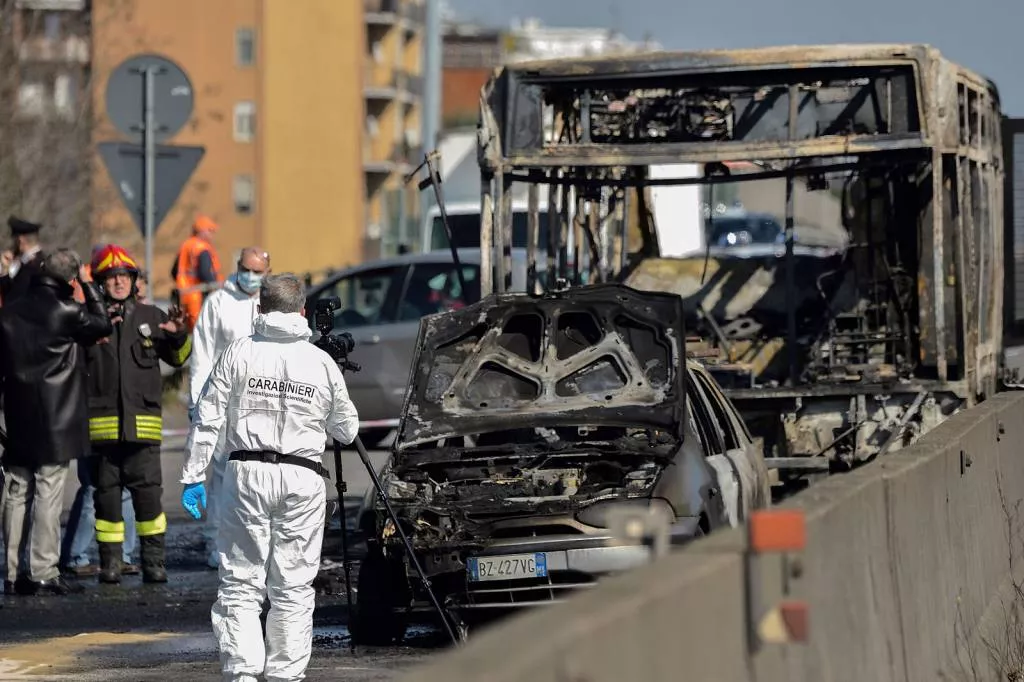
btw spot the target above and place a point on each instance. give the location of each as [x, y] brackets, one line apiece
[382, 303]
[533, 427]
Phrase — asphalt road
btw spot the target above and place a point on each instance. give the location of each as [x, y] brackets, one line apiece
[143, 632]
[139, 632]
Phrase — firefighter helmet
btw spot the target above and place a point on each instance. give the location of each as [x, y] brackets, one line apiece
[110, 259]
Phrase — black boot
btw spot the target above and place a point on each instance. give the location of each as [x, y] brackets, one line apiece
[110, 562]
[153, 570]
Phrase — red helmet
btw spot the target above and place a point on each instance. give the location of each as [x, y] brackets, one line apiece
[109, 259]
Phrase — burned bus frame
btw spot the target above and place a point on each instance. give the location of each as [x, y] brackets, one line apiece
[802, 111]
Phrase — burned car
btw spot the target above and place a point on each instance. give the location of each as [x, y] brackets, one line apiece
[536, 429]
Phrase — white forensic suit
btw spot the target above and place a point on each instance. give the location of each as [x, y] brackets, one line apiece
[227, 314]
[273, 391]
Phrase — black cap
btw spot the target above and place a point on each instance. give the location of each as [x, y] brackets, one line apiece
[19, 226]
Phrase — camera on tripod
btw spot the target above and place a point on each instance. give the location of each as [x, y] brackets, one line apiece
[339, 345]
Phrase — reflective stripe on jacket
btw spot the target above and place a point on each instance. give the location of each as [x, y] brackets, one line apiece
[125, 386]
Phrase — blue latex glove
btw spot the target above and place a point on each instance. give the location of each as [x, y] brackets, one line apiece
[193, 499]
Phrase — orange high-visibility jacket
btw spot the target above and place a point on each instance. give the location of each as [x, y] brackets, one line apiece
[191, 289]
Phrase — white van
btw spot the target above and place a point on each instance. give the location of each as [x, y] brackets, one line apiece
[678, 217]
[464, 219]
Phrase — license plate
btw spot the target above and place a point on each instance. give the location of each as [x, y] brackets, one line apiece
[508, 567]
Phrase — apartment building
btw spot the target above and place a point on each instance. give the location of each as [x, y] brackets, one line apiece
[469, 56]
[44, 69]
[393, 93]
[279, 110]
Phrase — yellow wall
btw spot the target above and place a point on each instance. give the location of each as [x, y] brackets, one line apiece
[312, 105]
[306, 157]
[199, 35]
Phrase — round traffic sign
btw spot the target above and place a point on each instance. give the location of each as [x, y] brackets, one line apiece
[126, 96]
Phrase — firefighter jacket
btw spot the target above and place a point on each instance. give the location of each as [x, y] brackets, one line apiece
[125, 386]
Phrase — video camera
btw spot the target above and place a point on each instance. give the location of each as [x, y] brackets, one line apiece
[338, 346]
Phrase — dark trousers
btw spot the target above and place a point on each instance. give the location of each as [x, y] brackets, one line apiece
[134, 466]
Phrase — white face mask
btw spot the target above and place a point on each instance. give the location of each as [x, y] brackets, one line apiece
[249, 282]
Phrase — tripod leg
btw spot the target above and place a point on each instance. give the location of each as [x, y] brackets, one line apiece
[342, 488]
[424, 580]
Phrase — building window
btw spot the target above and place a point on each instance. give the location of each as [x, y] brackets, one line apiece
[32, 98]
[64, 94]
[244, 194]
[245, 121]
[245, 47]
[51, 26]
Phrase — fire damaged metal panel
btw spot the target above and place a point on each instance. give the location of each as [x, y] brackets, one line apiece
[678, 106]
[853, 349]
[721, 61]
[601, 355]
[746, 107]
[1017, 191]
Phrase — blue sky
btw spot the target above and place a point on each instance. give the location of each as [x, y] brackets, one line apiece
[984, 35]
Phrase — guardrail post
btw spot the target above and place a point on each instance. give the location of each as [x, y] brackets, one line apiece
[644, 527]
[776, 541]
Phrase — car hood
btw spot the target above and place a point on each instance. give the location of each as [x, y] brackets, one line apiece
[597, 356]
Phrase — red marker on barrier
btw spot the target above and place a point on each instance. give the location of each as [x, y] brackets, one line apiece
[782, 532]
[777, 530]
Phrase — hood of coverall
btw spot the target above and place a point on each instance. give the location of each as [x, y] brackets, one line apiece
[282, 326]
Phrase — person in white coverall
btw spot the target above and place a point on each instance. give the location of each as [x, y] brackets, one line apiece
[276, 398]
[226, 315]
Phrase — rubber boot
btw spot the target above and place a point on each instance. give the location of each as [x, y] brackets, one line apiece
[110, 562]
[153, 554]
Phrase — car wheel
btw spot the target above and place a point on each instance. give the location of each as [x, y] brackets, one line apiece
[378, 618]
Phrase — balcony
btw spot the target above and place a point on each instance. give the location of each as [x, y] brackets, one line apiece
[381, 13]
[414, 85]
[414, 17]
[52, 5]
[71, 50]
[398, 85]
[401, 159]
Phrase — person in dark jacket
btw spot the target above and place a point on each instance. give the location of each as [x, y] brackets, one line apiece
[45, 405]
[125, 413]
[19, 265]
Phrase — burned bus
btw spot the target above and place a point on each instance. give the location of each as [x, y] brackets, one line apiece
[848, 295]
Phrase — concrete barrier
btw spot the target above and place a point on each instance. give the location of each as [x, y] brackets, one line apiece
[906, 573]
